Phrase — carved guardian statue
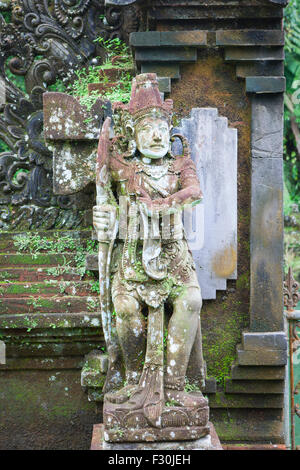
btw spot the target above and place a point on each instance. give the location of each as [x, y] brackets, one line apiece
[150, 296]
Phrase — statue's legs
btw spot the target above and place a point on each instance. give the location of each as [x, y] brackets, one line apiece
[182, 331]
[130, 324]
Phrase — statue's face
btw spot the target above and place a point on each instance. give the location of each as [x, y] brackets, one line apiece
[153, 137]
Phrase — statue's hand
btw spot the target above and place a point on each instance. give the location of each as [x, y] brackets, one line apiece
[156, 206]
[104, 217]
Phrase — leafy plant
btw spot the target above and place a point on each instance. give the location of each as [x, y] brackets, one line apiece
[114, 49]
[292, 100]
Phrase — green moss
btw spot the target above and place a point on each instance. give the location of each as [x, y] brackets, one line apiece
[219, 344]
[243, 281]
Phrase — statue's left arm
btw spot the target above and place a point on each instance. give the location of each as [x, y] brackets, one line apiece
[190, 191]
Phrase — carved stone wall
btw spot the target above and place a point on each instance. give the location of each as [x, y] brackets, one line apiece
[42, 44]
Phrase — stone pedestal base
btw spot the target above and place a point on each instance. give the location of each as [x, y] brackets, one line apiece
[209, 442]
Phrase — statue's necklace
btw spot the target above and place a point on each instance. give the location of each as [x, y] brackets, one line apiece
[154, 171]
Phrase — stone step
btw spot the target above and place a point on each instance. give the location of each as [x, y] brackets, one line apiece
[246, 54]
[48, 288]
[37, 259]
[265, 84]
[66, 304]
[78, 347]
[249, 400]
[250, 38]
[268, 357]
[257, 373]
[37, 274]
[9, 240]
[165, 54]
[162, 70]
[260, 69]
[45, 363]
[53, 321]
[249, 386]
[175, 39]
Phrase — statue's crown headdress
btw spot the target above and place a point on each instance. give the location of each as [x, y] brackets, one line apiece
[146, 99]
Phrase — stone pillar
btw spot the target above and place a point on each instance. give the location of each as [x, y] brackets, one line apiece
[266, 236]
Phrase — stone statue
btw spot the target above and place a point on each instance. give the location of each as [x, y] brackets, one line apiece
[149, 292]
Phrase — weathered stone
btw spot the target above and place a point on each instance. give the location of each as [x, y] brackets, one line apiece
[265, 84]
[257, 373]
[44, 409]
[38, 259]
[66, 119]
[164, 84]
[161, 69]
[168, 38]
[58, 288]
[210, 442]
[66, 304]
[245, 400]
[211, 13]
[43, 363]
[249, 425]
[213, 146]
[266, 238]
[257, 69]
[261, 341]
[78, 346]
[250, 38]
[241, 54]
[267, 129]
[164, 54]
[266, 357]
[255, 387]
[30, 321]
[73, 165]
[266, 242]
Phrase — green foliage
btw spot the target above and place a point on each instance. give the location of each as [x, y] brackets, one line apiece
[292, 100]
[116, 47]
[113, 48]
[190, 387]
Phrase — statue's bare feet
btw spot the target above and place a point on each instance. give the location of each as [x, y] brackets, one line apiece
[181, 398]
[122, 395]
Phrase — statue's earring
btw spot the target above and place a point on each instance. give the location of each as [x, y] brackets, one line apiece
[131, 148]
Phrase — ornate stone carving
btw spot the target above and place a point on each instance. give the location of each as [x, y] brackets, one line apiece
[44, 41]
[153, 275]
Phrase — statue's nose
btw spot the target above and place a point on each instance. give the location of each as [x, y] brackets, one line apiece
[156, 134]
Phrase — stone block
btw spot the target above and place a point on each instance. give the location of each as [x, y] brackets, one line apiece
[245, 400]
[162, 70]
[209, 442]
[210, 386]
[262, 341]
[259, 68]
[266, 239]
[265, 84]
[255, 387]
[250, 38]
[66, 119]
[213, 146]
[168, 38]
[245, 54]
[164, 84]
[267, 357]
[257, 373]
[164, 54]
[249, 425]
[267, 130]
[91, 263]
